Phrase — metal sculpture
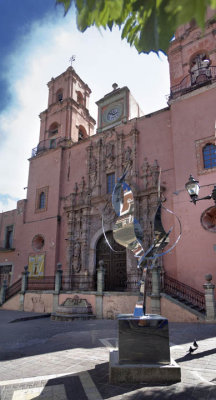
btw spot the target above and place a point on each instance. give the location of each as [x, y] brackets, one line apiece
[128, 232]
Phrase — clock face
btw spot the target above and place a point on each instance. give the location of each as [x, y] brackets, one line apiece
[113, 113]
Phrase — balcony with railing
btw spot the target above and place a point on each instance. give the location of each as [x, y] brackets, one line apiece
[48, 144]
[196, 79]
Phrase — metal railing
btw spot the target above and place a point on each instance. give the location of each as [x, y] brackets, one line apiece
[169, 285]
[78, 282]
[47, 144]
[85, 283]
[133, 282]
[200, 77]
[13, 289]
[184, 293]
[44, 283]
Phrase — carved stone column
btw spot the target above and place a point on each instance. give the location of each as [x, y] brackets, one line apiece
[100, 288]
[100, 277]
[24, 286]
[58, 278]
[209, 298]
[70, 240]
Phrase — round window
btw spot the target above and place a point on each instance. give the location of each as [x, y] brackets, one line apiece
[38, 242]
[208, 219]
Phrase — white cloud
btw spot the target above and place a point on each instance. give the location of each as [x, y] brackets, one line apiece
[101, 60]
[7, 202]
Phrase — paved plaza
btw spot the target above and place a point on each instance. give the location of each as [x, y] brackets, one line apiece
[44, 359]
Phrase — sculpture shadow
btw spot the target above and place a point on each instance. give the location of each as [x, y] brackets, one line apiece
[76, 389]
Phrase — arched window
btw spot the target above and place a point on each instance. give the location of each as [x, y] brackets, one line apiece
[81, 133]
[110, 182]
[199, 68]
[42, 200]
[80, 98]
[209, 156]
[59, 96]
[53, 129]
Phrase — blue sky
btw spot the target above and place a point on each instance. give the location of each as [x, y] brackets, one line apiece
[36, 42]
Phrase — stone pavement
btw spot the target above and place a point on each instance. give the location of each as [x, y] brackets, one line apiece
[44, 359]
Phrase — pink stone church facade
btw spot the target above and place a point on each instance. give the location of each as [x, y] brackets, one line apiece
[73, 169]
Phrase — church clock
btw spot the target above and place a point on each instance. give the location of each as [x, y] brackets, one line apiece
[116, 107]
[112, 113]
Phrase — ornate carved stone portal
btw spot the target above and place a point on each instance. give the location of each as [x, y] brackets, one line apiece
[89, 202]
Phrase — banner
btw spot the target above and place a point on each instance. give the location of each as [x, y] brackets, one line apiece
[36, 266]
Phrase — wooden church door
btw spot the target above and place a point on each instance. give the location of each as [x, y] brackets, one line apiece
[114, 263]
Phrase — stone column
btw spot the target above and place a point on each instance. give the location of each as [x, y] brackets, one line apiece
[58, 278]
[209, 298]
[24, 285]
[100, 289]
[100, 277]
[58, 282]
[3, 292]
[24, 288]
[155, 295]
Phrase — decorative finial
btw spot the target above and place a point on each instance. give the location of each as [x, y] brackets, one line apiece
[73, 58]
[115, 85]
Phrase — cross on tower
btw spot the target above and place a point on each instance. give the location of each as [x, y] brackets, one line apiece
[73, 58]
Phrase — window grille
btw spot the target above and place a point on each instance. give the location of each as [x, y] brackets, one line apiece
[42, 200]
[110, 182]
[209, 156]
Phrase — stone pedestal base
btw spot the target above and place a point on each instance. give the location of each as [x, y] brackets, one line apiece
[146, 373]
[143, 339]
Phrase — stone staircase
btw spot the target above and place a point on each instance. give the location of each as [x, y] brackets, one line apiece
[184, 294]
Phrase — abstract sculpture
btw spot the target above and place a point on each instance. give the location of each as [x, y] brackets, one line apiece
[128, 232]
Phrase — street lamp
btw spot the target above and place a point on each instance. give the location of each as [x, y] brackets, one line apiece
[193, 187]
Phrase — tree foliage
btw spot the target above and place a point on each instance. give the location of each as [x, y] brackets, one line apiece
[149, 25]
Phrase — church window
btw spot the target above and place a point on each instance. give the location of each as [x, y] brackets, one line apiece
[209, 156]
[41, 199]
[59, 96]
[81, 133]
[110, 182]
[53, 130]
[38, 242]
[81, 137]
[79, 98]
[52, 143]
[9, 237]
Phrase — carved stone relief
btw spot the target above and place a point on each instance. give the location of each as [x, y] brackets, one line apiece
[112, 152]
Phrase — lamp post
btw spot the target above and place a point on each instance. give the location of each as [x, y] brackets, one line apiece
[208, 221]
[193, 187]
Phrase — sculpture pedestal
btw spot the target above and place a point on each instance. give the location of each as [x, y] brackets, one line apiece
[144, 353]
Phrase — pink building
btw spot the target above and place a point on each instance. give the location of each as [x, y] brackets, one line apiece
[73, 169]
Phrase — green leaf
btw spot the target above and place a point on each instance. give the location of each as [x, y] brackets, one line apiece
[149, 25]
[66, 4]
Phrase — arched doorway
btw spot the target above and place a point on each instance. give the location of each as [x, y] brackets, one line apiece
[114, 263]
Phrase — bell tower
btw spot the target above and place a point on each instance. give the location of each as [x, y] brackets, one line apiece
[67, 117]
[192, 57]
